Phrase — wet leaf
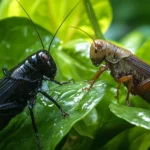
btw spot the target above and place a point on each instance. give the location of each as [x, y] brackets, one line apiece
[51, 124]
[137, 116]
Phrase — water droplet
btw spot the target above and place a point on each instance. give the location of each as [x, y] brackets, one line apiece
[78, 97]
[51, 105]
[144, 117]
[45, 104]
[140, 114]
[85, 106]
[47, 39]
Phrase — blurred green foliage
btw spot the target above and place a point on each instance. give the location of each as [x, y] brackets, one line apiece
[96, 121]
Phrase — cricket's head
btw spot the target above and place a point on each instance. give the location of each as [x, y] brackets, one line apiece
[97, 52]
[44, 63]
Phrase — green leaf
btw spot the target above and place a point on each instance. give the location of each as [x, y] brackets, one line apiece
[135, 39]
[76, 142]
[88, 125]
[77, 64]
[143, 51]
[100, 20]
[136, 116]
[49, 14]
[141, 142]
[93, 19]
[125, 139]
[51, 125]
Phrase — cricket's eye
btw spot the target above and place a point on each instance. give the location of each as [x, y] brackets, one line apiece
[44, 57]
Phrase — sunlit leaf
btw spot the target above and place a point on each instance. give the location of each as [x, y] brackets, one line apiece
[50, 13]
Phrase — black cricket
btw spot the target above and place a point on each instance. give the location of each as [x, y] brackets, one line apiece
[20, 85]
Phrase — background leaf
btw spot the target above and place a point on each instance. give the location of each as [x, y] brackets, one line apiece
[49, 14]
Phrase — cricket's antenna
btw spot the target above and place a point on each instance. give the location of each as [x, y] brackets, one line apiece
[60, 26]
[84, 32]
[32, 24]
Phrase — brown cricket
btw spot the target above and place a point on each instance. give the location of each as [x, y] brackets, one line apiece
[124, 67]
